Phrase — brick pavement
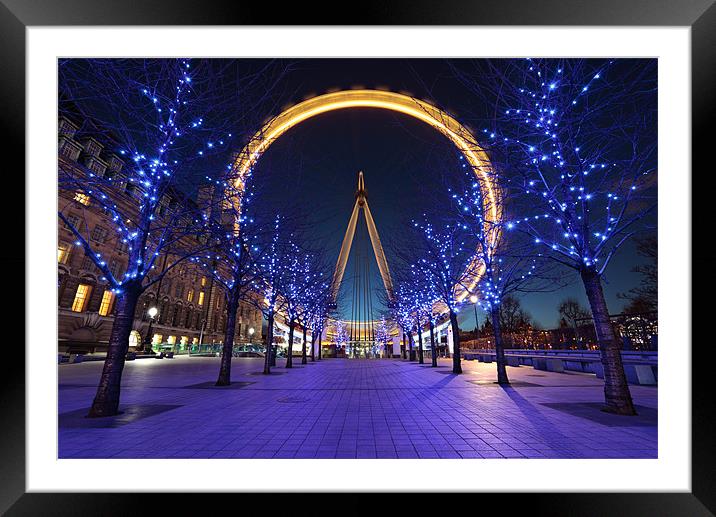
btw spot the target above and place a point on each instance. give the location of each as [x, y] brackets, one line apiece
[339, 408]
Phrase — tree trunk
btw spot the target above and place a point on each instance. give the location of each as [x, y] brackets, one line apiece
[402, 348]
[616, 388]
[106, 401]
[456, 366]
[499, 347]
[432, 345]
[421, 359]
[289, 355]
[268, 361]
[410, 346]
[447, 348]
[303, 347]
[320, 336]
[225, 368]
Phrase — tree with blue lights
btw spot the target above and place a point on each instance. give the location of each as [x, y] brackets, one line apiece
[441, 257]
[275, 273]
[576, 140]
[160, 121]
[321, 307]
[399, 303]
[382, 334]
[341, 334]
[236, 240]
[509, 264]
[316, 304]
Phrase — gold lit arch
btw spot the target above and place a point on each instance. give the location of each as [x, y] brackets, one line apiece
[445, 124]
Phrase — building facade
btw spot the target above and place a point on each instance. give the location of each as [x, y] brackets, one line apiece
[191, 309]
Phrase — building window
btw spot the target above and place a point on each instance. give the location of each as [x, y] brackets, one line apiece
[114, 268]
[67, 128]
[190, 295]
[179, 291]
[83, 198]
[201, 298]
[107, 301]
[203, 281]
[122, 247]
[72, 221]
[157, 339]
[81, 297]
[87, 264]
[99, 234]
[63, 253]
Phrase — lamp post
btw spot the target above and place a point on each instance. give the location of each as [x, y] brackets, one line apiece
[251, 335]
[148, 340]
[473, 299]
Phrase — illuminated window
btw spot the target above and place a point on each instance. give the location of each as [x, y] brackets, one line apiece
[157, 339]
[107, 301]
[190, 295]
[172, 340]
[63, 253]
[81, 297]
[82, 198]
[203, 281]
[201, 297]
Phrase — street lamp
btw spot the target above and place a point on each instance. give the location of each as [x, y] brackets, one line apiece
[473, 299]
[147, 341]
[251, 333]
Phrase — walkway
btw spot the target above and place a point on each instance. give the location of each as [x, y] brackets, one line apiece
[339, 408]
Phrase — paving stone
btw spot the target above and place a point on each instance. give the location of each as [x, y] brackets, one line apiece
[349, 409]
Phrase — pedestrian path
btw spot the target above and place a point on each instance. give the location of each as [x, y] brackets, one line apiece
[340, 408]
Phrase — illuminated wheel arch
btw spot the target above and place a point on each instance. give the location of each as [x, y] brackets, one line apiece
[445, 124]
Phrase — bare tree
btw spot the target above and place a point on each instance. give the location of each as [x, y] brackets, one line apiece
[275, 273]
[645, 297]
[161, 120]
[443, 255]
[507, 264]
[572, 311]
[234, 238]
[576, 141]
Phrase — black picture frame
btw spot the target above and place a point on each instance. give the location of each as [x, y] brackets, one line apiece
[17, 15]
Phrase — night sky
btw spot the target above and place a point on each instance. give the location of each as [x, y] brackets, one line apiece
[317, 163]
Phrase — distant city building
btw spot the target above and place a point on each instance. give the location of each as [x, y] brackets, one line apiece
[191, 309]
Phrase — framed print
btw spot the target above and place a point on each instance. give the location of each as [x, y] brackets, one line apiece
[436, 251]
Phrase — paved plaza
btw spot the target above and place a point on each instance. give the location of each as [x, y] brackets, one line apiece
[342, 408]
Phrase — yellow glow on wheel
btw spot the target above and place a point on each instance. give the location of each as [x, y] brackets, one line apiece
[445, 124]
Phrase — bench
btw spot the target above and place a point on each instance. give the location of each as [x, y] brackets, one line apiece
[512, 360]
[548, 364]
[636, 373]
